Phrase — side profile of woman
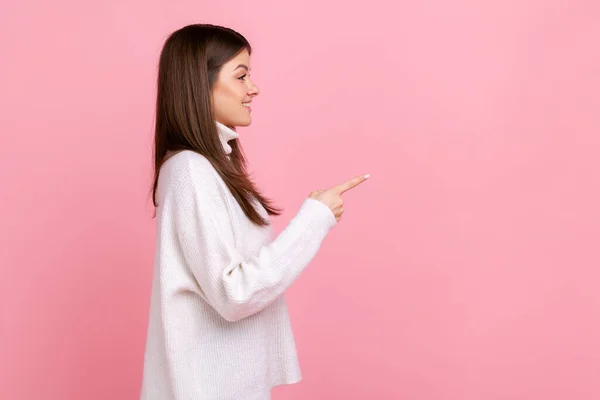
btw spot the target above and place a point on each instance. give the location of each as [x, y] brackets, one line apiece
[218, 324]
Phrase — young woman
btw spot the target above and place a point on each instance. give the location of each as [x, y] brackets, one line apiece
[218, 324]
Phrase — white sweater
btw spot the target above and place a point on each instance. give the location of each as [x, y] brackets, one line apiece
[219, 327]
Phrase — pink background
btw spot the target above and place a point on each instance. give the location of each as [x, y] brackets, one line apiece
[466, 268]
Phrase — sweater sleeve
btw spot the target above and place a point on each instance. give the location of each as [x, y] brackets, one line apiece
[234, 286]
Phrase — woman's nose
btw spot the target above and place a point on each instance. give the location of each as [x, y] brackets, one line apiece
[254, 90]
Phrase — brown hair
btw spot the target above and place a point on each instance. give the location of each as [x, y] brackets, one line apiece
[189, 66]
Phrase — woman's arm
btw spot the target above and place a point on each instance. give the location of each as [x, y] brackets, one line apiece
[236, 287]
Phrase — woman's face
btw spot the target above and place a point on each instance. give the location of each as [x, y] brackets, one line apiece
[233, 92]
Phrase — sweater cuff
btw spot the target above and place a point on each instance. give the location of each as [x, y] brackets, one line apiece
[318, 211]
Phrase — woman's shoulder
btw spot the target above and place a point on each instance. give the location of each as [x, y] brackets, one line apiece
[188, 158]
[187, 169]
[187, 163]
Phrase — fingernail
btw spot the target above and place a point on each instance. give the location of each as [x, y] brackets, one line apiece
[367, 176]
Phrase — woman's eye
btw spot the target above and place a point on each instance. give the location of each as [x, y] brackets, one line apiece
[242, 77]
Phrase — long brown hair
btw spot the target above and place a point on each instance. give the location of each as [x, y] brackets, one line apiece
[189, 66]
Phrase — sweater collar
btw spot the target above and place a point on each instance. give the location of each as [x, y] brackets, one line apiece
[226, 134]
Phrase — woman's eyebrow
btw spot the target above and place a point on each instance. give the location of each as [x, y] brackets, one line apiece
[242, 66]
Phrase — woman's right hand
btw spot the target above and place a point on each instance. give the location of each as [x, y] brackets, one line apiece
[332, 197]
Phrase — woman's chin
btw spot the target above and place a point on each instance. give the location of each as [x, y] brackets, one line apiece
[244, 121]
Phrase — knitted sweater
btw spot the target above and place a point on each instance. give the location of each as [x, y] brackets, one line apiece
[219, 327]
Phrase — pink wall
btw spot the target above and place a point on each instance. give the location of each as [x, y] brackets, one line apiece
[466, 268]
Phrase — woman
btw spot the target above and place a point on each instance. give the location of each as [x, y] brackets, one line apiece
[218, 325]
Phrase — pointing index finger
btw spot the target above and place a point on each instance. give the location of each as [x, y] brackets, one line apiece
[352, 183]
